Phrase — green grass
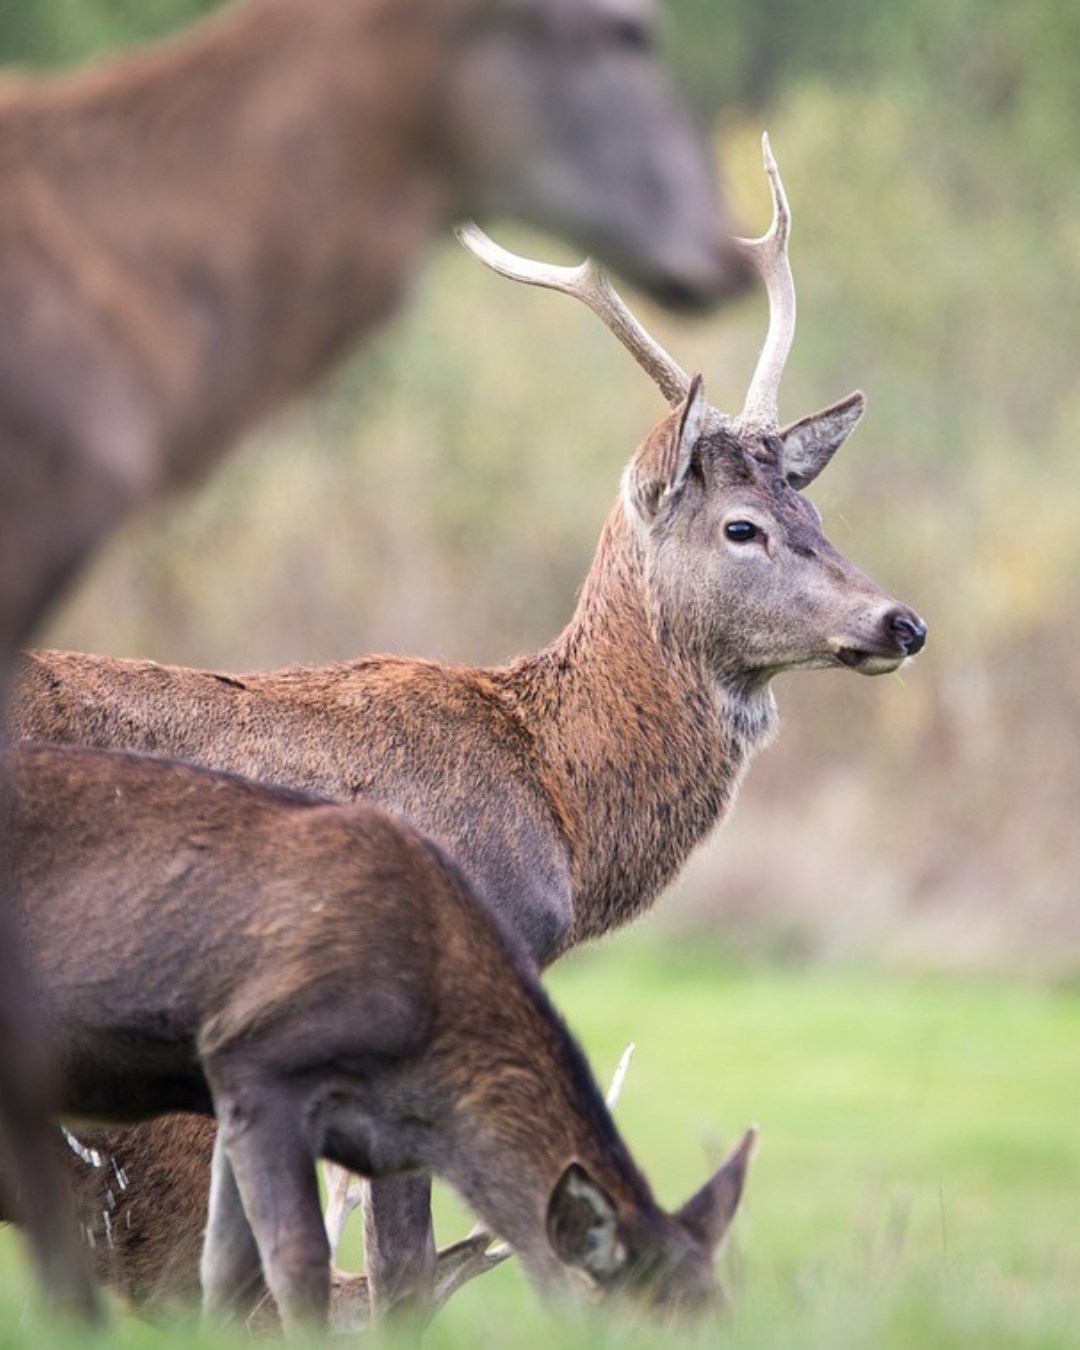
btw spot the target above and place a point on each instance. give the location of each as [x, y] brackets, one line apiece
[918, 1177]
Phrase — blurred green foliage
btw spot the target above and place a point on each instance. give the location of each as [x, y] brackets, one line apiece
[445, 495]
[57, 32]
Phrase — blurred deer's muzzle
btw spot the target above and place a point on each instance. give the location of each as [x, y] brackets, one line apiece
[721, 274]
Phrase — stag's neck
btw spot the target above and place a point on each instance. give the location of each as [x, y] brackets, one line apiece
[643, 745]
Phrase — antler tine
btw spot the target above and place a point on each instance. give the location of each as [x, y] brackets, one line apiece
[614, 1092]
[344, 1194]
[587, 282]
[769, 255]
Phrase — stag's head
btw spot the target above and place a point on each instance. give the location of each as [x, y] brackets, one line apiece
[663, 1261]
[734, 565]
[560, 115]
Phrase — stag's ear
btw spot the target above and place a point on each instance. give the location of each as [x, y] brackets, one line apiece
[707, 1215]
[662, 461]
[810, 443]
[583, 1225]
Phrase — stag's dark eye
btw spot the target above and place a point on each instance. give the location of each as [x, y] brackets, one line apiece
[741, 531]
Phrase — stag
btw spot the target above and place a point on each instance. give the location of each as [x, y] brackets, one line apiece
[192, 233]
[336, 990]
[572, 784]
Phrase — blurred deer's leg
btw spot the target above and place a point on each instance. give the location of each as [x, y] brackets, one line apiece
[52, 510]
[38, 1190]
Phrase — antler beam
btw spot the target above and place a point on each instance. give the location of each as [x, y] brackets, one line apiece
[588, 283]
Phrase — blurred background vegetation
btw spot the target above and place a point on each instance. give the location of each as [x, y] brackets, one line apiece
[444, 493]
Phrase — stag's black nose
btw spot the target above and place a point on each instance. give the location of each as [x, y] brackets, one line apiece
[908, 630]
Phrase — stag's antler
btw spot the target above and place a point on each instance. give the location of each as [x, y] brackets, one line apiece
[769, 254]
[344, 1193]
[614, 1092]
[589, 283]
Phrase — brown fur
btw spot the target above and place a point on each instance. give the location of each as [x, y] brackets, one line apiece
[190, 234]
[570, 785]
[333, 990]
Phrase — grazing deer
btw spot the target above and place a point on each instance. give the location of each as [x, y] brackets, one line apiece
[333, 989]
[570, 785]
[191, 233]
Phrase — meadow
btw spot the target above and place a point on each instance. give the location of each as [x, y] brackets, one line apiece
[918, 1170]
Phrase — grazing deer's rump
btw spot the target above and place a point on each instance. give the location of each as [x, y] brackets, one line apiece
[334, 990]
[571, 784]
[192, 233]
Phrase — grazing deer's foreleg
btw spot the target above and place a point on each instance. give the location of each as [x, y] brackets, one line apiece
[268, 1167]
[399, 1242]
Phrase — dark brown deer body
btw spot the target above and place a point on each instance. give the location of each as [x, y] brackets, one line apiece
[192, 233]
[332, 989]
[570, 785]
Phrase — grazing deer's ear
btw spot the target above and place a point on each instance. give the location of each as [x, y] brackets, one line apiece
[811, 442]
[707, 1215]
[661, 464]
[583, 1225]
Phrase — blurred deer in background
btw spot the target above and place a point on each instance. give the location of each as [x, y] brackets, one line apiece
[335, 990]
[192, 233]
[570, 785]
